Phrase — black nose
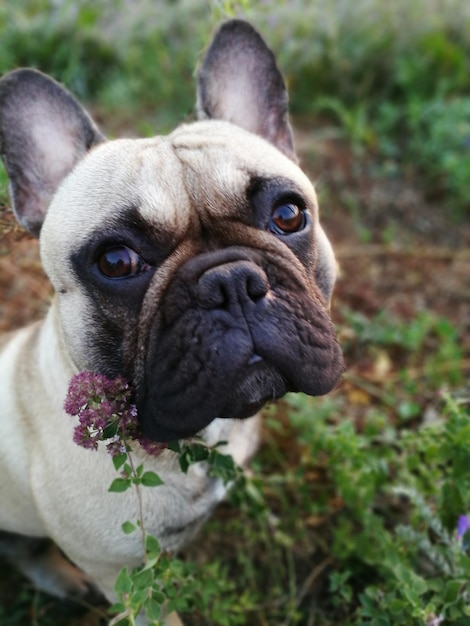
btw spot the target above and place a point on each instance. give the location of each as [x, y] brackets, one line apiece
[230, 284]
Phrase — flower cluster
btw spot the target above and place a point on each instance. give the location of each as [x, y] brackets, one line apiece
[105, 413]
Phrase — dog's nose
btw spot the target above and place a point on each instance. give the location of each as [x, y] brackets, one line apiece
[233, 283]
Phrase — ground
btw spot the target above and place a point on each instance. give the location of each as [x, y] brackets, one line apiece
[397, 250]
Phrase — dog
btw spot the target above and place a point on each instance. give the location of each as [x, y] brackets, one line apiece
[194, 266]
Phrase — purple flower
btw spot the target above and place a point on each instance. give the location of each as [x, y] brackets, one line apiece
[84, 437]
[129, 417]
[78, 394]
[463, 524]
[105, 412]
[116, 446]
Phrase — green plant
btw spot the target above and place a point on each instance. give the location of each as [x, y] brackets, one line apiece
[400, 89]
[397, 556]
[61, 42]
[105, 413]
[440, 146]
[392, 498]
[164, 583]
[429, 345]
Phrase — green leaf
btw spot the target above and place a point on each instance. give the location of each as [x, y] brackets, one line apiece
[119, 485]
[150, 479]
[453, 590]
[138, 597]
[219, 444]
[199, 452]
[119, 460]
[174, 446]
[152, 609]
[119, 607]
[110, 430]
[397, 605]
[128, 527]
[158, 596]
[407, 410]
[152, 560]
[184, 463]
[151, 544]
[464, 562]
[123, 582]
[143, 579]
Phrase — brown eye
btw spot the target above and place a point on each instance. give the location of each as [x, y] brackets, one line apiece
[119, 262]
[287, 218]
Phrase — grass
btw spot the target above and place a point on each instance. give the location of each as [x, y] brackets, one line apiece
[350, 515]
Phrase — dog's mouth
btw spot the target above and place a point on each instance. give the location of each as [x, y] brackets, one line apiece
[234, 372]
[240, 396]
[261, 383]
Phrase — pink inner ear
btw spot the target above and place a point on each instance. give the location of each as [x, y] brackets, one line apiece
[55, 145]
[53, 152]
[239, 82]
[232, 100]
[44, 133]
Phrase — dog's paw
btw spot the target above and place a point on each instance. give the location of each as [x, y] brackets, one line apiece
[49, 570]
[173, 619]
[53, 573]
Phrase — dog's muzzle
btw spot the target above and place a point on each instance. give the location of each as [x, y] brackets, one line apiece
[233, 333]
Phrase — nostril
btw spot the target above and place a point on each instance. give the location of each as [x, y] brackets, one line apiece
[256, 286]
[230, 284]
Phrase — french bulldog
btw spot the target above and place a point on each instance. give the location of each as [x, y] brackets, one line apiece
[194, 266]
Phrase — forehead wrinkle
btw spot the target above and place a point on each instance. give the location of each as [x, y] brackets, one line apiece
[214, 179]
[161, 192]
[216, 197]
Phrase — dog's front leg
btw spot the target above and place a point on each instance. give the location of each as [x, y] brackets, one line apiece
[172, 619]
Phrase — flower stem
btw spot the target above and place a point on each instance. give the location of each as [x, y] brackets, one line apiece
[139, 498]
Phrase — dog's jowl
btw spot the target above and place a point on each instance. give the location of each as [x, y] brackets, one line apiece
[193, 265]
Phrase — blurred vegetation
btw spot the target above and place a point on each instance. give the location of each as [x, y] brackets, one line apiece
[395, 76]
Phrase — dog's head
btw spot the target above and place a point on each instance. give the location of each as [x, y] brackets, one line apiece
[192, 264]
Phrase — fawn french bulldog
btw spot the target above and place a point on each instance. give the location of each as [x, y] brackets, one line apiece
[194, 265]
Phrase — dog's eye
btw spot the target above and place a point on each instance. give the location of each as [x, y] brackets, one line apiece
[120, 262]
[287, 218]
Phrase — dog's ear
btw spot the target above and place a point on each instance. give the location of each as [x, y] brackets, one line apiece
[44, 132]
[239, 82]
